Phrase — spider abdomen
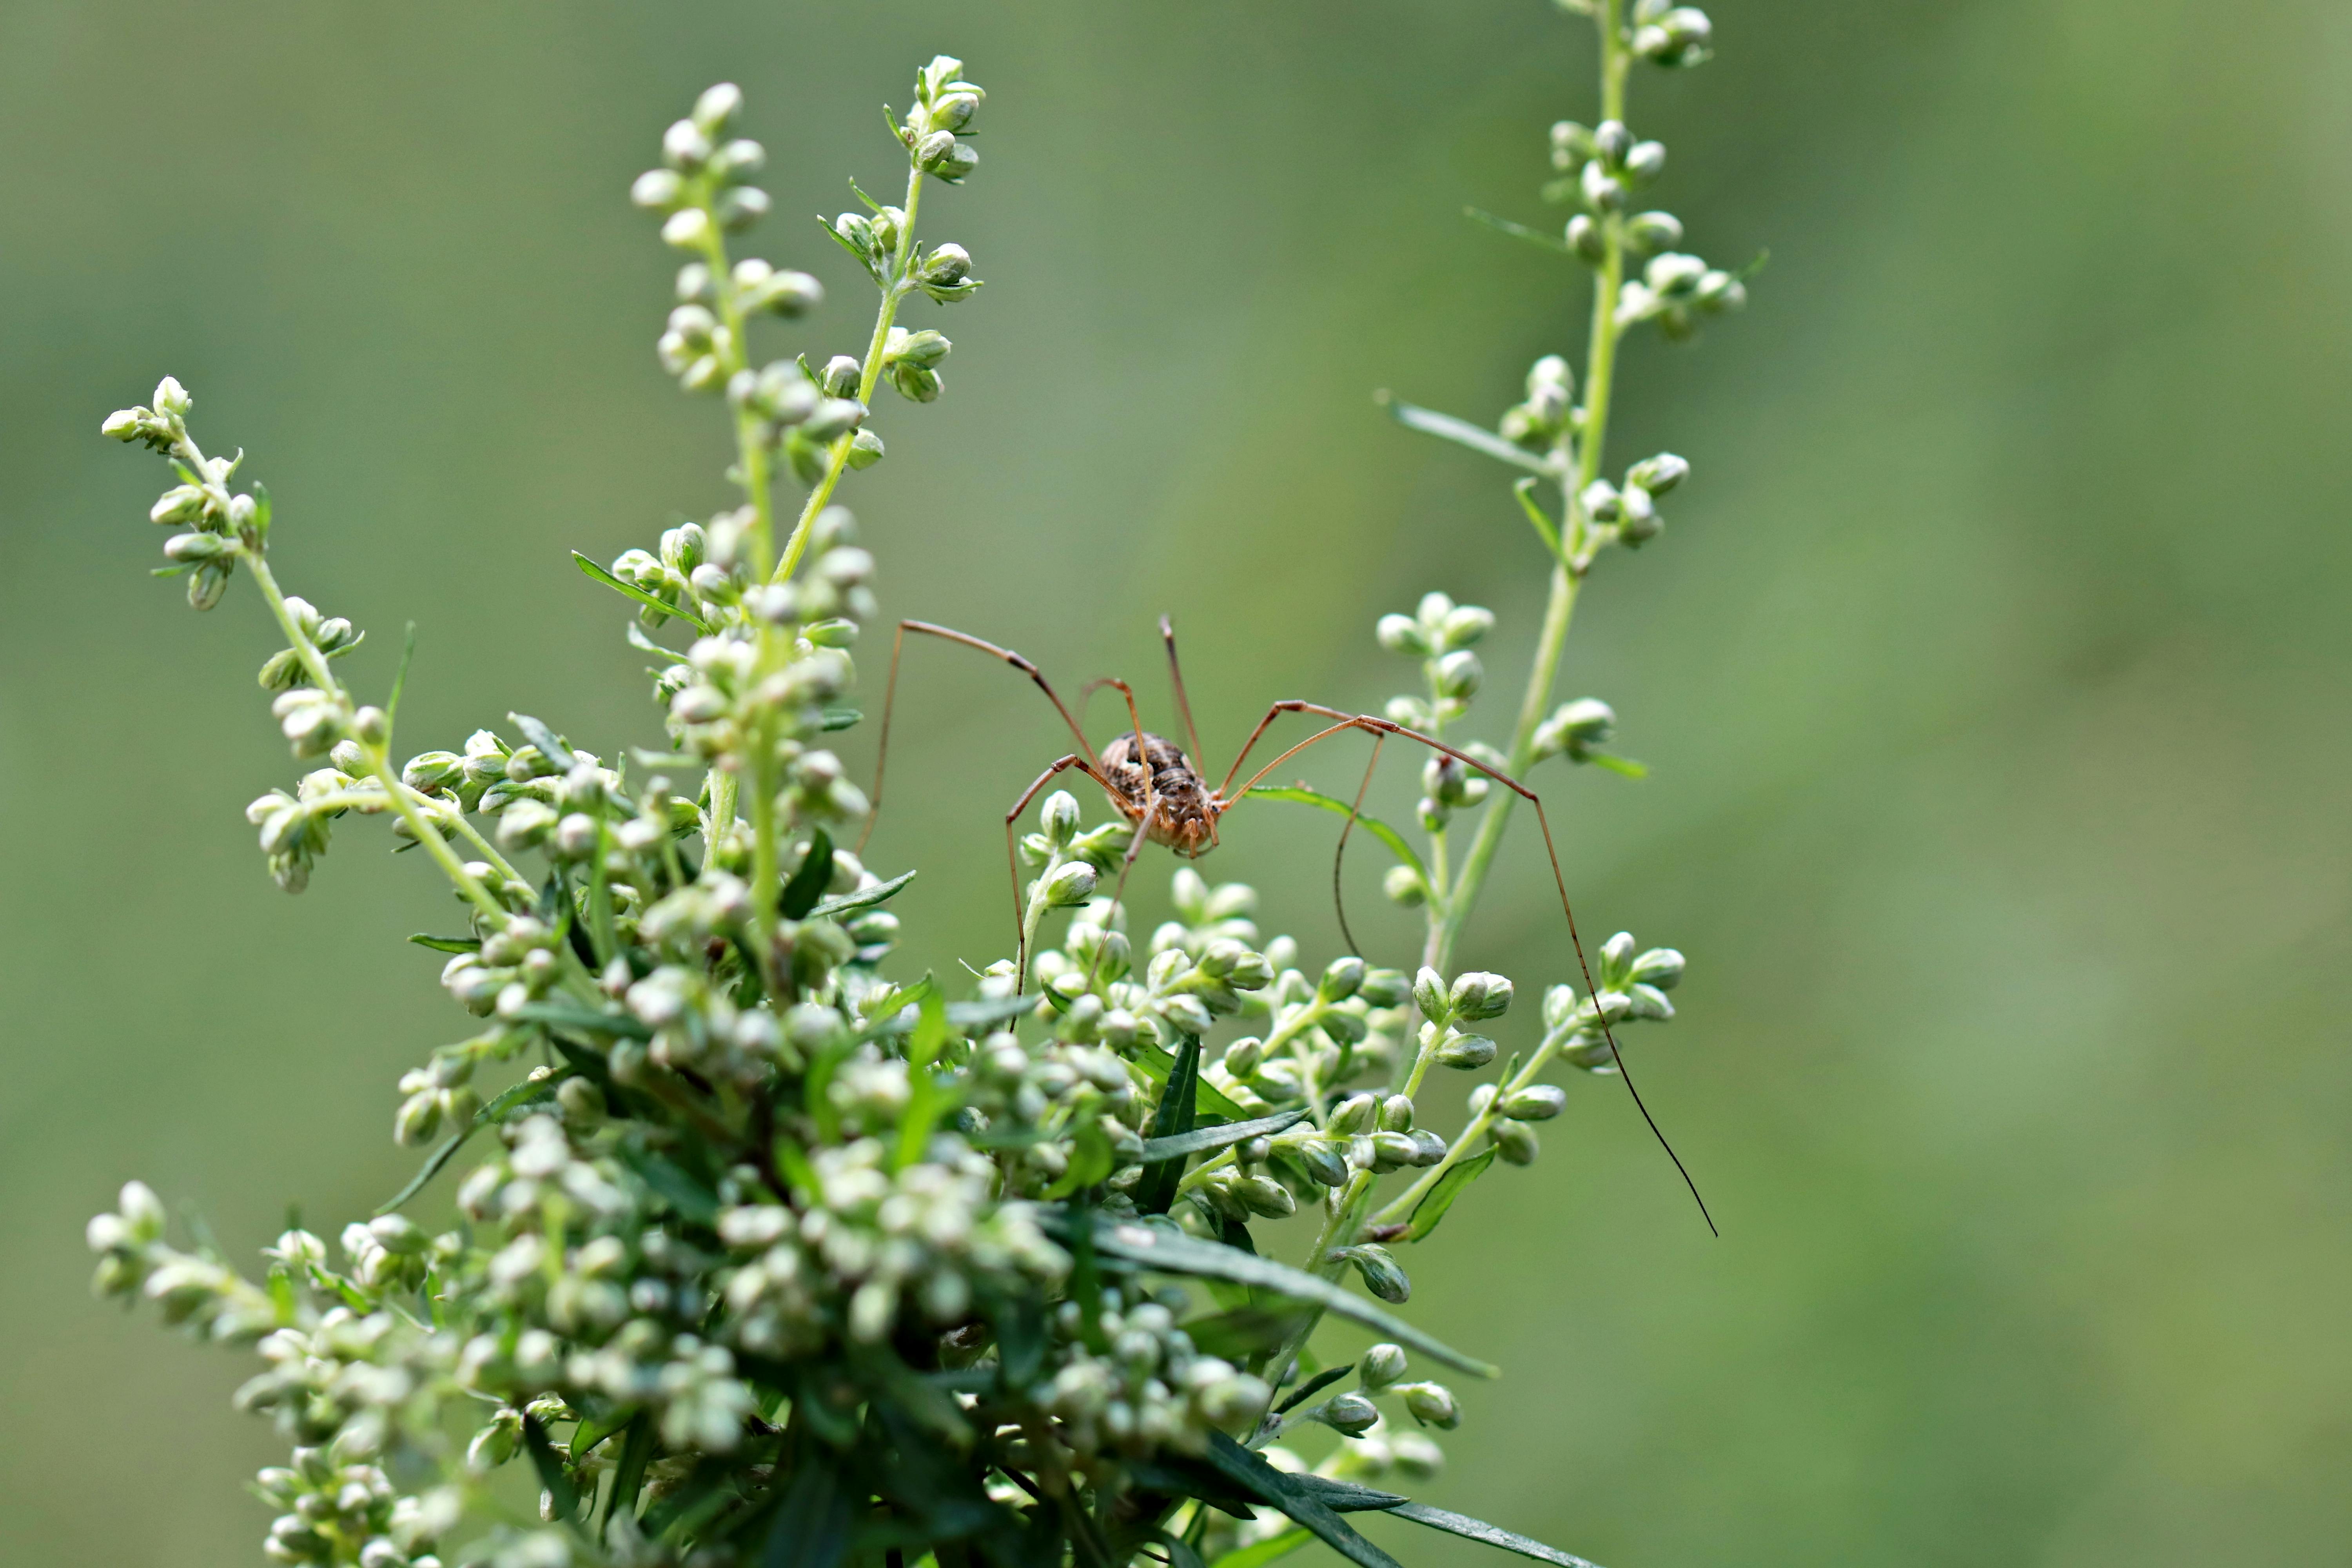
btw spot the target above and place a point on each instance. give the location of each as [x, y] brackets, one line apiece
[1183, 813]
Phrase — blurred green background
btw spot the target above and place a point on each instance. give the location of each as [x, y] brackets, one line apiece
[1992, 670]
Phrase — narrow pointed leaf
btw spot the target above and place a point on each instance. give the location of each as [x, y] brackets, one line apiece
[550, 1465]
[1172, 1120]
[990, 1010]
[1462, 1524]
[639, 595]
[1313, 1387]
[551, 1015]
[1201, 1139]
[1534, 236]
[1461, 432]
[1251, 1472]
[812, 1529]
[549, 743]
[1272, 1548]
[865, 899]
[1164, 1248]
[800, 894]
[1431, 1208]
[1381, 830]
[483, 1117]
[448, 944]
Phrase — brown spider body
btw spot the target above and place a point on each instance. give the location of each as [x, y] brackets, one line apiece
[1183, 812]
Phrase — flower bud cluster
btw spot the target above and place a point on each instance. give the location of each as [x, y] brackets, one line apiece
[1146, 1387]
[218, 527]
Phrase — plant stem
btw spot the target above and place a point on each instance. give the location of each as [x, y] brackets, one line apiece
[894, 288]
[1568, 577]
[314, 663]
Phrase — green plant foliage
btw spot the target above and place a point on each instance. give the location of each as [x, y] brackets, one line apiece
[778, 1257]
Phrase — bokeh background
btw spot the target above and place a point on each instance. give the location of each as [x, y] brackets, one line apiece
[1992, 670]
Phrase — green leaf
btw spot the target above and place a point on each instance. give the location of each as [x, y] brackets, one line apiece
[671, 1182]
[1167, 1251]
[400, 679]
[554, 1015]
[1156, 1064]
[812, 1529]
[1348, 1497]
[1534, 236]
[639, 595]
[1090, 1161]
[832, 719]
[990, 1010]
[807, 886]
[550, 1465]
[1200, 1139]
[1271, 1550]
[1461, 432]
[496, 1109]
[1242, 1331]
[644, 644]
[865, 898]
[1625, 767]
[1493, 1535]
[1179, 1108]
[629, 1475]
[447, 944]
[1250, 1471]
[1313, 1387]
[1439, 1198]
[1301, 795]
[549, 743]
[1545, 528]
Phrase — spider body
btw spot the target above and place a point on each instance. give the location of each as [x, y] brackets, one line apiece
[1183, 813]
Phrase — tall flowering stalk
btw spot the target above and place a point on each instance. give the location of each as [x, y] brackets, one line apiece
[777, 1257]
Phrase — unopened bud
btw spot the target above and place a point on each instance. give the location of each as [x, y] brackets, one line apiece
[1432, 1404]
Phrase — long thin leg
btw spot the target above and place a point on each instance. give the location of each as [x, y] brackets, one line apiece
[1338, 903]
[1383, 727]
[1183, 703]
[1150, 802]
[890, 699]
[1013, 864]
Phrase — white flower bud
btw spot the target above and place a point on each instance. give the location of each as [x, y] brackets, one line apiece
[1478, 994]
[689, 228]
[1382, 1366]
[717, 104]
[1073, 883]
[1402, 634]
[657, 190]
[1432, 1404]
[1404, 885]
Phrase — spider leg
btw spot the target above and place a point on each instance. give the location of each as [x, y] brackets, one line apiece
[1183, 703]
[1150, 802]
[1340, 904]
[1013, 864]
[890, 699]
[1365, 722]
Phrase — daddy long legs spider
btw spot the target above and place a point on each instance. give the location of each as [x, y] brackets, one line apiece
[1159, 789]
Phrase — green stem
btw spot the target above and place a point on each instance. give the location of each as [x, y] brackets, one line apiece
[1410, 1199]
[1567, 578]
[314, 664]
[894, 289]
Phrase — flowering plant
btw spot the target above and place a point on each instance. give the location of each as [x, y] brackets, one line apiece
[777, 1256]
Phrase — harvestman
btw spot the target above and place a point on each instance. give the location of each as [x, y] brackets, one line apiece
[1158, 789]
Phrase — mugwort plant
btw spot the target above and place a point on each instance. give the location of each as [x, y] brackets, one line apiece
[774, 1254]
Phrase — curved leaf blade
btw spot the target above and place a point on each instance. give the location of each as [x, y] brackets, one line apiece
[1462, 1524]
[1169, 1251]
[1462, 433]
[639, 595]
[1201, 1139]
[1301, 795]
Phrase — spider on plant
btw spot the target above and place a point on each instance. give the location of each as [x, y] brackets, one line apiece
[1159, 789]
